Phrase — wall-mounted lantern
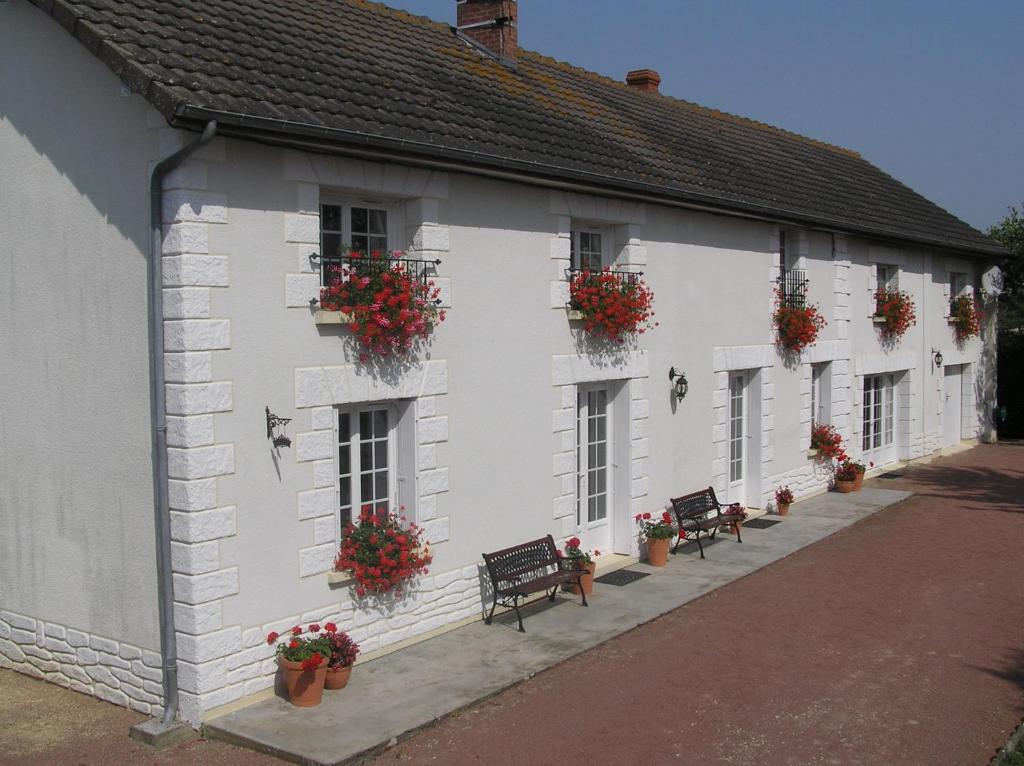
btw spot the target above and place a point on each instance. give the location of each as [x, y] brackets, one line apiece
[273, 424]
[679, 384]
[937, 357]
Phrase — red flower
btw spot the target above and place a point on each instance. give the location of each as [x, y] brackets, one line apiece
[296, 631]
[293, 644]
[314, 628]
[647, 516]
[574, 542]
[313, 661]
[331, 627]
[272, 637]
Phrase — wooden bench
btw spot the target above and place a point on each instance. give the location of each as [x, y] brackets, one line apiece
[701, 512]
[531, 567]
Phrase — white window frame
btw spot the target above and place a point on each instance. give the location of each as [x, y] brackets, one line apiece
[606, 233]
[582, 457]
[878, 413]
[393, 225]
[355, 466]
[738, 456]
[821, 400]
[891, 273]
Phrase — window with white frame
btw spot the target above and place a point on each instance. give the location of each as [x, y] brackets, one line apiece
[957, 286]
[820, 394]
[886, 276]
[878, 412]
[589, 248]
[366, 459]
[359, 226]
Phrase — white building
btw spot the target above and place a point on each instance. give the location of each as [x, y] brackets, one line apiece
[494, 165]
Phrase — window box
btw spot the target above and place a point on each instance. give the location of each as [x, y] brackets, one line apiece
[813, 454]
[875, 319]
[331, 317]
[574, 315]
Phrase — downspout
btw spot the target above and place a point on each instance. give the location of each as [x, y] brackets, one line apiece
[158, 420]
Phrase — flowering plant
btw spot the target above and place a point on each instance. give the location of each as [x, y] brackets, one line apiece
[897, 309]
[312, 650]
[783, 496]
[737, 513]
[662, 529]
[828, 442]
[343, 649]
[381, 553]
[847, 471]
[858, 466]
[391, 309]
[576, 557]
[797, 327]
[965, 318]
[613, 304]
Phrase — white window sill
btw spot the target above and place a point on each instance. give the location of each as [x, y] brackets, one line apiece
[573, 315]
[813, 454]
[340, 579]
[331, 317]
[878, 319]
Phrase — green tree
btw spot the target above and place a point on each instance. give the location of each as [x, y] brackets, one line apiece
[1010, 234]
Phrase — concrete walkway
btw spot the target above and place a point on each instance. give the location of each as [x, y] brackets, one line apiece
[401, 692]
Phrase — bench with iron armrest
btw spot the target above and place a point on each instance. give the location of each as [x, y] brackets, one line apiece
[701, 512]
[531, 567]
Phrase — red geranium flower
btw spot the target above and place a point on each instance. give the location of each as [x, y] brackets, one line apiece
[272, 637]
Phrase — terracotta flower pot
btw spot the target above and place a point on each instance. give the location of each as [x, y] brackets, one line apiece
[337, 678]
[587, 580]
[305, 687]
[783, 508]
[844, 486]
[657, 552]
[858, 481]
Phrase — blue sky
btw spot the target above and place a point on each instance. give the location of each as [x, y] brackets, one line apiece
[928, 90]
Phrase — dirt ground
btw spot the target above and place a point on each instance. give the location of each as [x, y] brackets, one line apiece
[44, 725]
[899, 640]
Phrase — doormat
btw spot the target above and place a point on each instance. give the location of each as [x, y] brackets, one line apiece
[621, 577]
[692, 547]
[761, 523]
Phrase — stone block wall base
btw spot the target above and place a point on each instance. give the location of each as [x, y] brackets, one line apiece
[155, 733]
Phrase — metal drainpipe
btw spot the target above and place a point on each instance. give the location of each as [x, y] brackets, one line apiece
[158, 419]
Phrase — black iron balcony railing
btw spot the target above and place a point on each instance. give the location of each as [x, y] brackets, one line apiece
[629, 277]
[793, 288]
[364, 265]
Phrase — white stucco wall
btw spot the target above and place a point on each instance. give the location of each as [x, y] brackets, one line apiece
[77, 572]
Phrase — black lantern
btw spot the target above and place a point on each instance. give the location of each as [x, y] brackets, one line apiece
[679, 384]
[273, 424]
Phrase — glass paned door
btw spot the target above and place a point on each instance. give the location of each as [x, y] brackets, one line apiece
[737, 436]
[593, 475]
[365, 461]
[878, 415]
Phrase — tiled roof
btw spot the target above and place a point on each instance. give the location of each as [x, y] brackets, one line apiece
[349, 71]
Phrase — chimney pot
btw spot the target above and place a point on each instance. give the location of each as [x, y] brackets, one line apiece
[492, 24]
[644, 79]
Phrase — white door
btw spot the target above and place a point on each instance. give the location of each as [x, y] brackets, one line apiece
[593, 461]
[878, 418]
[738, 430]
[952, 387]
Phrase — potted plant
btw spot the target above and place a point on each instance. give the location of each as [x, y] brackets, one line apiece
[894, 312]
[657, 534]
[389, 308]
[381, 552]
[343, 656]
[739, 514]
[860, 469]
[826, 443]
[965, 318]
[612, 304]
[783, 499]
[796, 327]
[575, 557]
[846, 476]
[302, 657]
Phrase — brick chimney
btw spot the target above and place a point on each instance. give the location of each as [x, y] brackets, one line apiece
[644, 79]
[492, 24]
